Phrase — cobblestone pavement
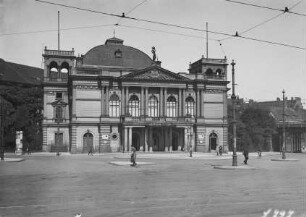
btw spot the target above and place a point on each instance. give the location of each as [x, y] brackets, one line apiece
[48, 185]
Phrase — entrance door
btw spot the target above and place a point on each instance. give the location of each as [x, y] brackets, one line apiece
[155, 142]
[213, 141]
[175, 141]
[59, 142]
[87, 142]
[136, 141]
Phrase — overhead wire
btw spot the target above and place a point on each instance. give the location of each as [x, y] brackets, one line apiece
[286, 9]
[264, 22]
[130, 11]
[168, 24]
[54, 30]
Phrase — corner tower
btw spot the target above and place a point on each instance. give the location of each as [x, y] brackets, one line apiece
[58, 66]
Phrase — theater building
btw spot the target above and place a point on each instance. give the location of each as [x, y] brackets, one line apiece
[116, 96]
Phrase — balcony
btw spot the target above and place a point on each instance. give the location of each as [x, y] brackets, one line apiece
[58, 53]
[46, 79]
[156, 120]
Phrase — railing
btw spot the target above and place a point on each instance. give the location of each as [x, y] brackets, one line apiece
[156, 120]
[59, 52]
[56, 79]
[214, 77]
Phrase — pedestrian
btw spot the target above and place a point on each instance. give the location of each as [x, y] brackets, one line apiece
[133, 157]
[246, 155]
[28, 149]
[259, 152]
[90, 152]
[220, 150]
[190, 151]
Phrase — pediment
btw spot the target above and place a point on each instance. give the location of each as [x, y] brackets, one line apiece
[154, 73]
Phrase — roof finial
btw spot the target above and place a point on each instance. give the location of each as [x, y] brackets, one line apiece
[114, 33]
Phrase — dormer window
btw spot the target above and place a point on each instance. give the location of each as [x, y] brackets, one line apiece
[118, 53]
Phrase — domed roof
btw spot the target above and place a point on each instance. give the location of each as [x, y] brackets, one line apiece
[114, 53]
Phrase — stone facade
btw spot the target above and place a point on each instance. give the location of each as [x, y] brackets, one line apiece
[115, 97]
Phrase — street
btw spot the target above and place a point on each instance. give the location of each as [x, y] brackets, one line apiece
[67, 185]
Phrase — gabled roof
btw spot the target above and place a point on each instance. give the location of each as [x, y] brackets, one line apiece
[154, 73]
[22, 74]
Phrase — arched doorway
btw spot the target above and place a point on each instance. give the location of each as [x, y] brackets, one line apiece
[87, 142]
[213, 139]
[136, 141]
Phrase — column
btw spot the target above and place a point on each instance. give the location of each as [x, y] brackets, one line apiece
[170, 139]
[179, 103]
[142, 102]
[186, 139]
[184, 97]
[146, 139]
[107, 102]
[198, 103]
[161, 102]
[127, 100]
[146, 101]
[166, 139]
[150, 140]
[126, 139]
[122, 112]
[102, 100]
[201, 104]
[130, 138]
[179, 146]
[165, 101]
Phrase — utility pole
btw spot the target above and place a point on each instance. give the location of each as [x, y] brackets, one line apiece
[233, 97]
[58, 30]
[1, 130]
[284, 133]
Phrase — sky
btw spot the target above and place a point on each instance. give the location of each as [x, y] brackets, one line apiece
[263, 70]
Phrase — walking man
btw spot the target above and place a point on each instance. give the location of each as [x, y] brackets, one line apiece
[246, 155]
[133, 157]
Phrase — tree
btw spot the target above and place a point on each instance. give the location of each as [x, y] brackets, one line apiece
[258, 126]
[23, 112]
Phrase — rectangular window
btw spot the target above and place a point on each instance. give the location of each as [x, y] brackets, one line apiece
[59, 95]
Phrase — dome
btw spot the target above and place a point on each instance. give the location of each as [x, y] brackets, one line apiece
[114, 54]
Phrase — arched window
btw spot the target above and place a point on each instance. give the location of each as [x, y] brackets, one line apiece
[209, 72]
[219, 72]
[189, 105]
[53, 72]
[153, 107]
[64, 70]
[134, 106]
[114, 105]
[171, 106]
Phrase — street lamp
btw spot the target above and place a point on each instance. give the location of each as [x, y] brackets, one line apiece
[284, 133]
[1, 130]
[233, 97]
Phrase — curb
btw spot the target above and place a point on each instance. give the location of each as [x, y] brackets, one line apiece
[288, 159]
[234, 167]
[12, 160]
[127, 163]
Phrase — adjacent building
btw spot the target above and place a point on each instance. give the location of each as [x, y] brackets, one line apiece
[115, 97]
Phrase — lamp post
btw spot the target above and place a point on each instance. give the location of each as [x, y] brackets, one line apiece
[233, 97]
[284, 133]
[1, 130]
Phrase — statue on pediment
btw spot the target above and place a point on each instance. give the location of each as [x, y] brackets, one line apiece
[154, 53]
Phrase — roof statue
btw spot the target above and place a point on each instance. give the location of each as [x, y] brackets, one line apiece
[154, 53]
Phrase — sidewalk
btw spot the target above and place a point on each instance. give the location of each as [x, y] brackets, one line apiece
[148, 155]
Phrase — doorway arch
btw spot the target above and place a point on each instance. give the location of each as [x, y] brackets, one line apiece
[213, 141]
[87, 142]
